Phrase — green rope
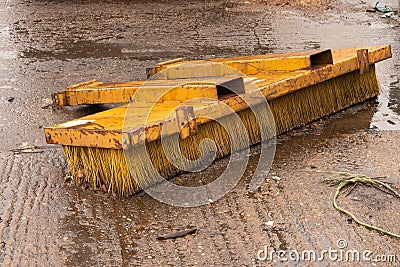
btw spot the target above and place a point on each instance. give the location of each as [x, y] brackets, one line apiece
[383, 9]
[353, 179]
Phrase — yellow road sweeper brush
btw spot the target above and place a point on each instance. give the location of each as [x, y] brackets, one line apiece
[193, 101]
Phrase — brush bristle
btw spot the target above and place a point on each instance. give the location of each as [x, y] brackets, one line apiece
[108, 167]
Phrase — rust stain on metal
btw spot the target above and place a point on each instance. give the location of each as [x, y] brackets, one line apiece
[363, 60]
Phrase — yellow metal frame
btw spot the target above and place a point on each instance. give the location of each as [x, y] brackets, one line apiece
[94, 92]
[293, 72]
[249, 65]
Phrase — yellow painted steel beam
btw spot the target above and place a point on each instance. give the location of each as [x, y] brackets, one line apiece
[94, 92]
[104, 129]
[261, 64]
[249, 65]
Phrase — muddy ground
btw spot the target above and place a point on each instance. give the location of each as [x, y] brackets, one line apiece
[48, 45]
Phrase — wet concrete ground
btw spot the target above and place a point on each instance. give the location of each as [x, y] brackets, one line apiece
[48, 45]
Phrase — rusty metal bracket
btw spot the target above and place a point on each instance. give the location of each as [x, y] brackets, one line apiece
[363, 60]
[133, 138]
[187, 125]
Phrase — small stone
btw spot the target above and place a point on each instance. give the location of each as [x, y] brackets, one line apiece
[276, 178]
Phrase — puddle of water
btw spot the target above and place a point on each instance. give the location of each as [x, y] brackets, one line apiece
[335, 34]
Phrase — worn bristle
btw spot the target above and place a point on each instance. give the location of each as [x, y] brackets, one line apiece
[108, 167]
[308, 104]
